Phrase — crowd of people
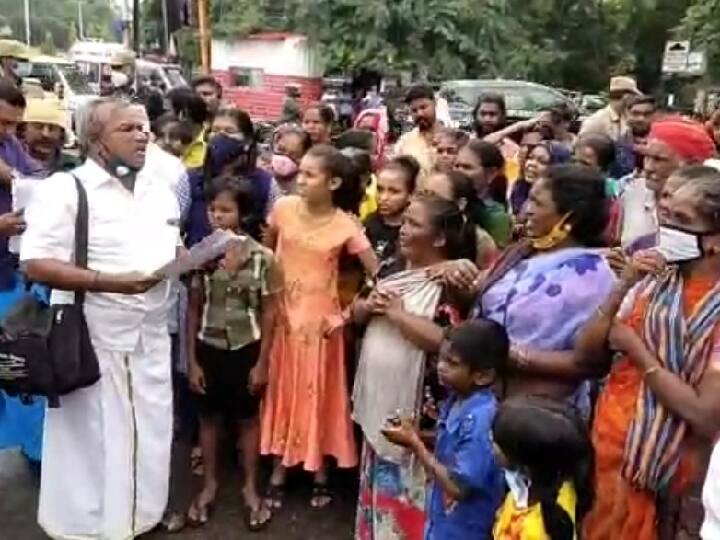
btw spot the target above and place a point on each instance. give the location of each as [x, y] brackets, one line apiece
[511, 333]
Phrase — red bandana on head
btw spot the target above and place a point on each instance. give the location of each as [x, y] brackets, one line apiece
[686, 138]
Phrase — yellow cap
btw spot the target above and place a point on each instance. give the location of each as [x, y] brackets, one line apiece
[14, 49]
[45, 111]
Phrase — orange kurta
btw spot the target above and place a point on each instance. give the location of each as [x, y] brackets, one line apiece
[306, 411]
[621, 510]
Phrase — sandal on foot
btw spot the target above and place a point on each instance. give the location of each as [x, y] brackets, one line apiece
[197, 465]
[322, 496]
[172, 522]
[199, 514]
[254, 517]
[275, 496]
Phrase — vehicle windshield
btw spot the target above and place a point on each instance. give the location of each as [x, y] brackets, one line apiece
[516, 98]
[176, 77]
[77, 82]
[594, 102]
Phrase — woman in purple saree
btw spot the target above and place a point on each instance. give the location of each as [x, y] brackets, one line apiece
[546, 287]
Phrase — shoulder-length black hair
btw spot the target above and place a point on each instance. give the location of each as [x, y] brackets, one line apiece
[581, 192]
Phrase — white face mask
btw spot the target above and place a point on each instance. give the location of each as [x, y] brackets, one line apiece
[519, 485]
[23, 69]
[679, 246]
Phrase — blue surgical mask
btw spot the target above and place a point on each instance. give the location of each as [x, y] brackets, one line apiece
[224, 150]
[519, 485]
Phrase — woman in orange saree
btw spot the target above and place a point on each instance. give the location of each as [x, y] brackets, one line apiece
[657, 414]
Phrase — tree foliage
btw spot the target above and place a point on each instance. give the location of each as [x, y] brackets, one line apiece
[701, 24]
[53, 23]
[573, 43]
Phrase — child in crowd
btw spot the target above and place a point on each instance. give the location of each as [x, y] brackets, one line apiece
[447, 143]
[548, 458]
[173, 135]
[396, 184]
[358, 142]
[598, 151]
[306, 410]
[456, 187]
[466, 487]
[231, 319]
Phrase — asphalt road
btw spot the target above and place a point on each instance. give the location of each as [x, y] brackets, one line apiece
[296, 521]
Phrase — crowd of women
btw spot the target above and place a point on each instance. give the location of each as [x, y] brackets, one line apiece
[517, 371]
[469, 296]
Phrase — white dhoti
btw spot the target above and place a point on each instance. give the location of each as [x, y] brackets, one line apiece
[106, 454]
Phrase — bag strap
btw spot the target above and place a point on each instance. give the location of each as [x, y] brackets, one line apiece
[81, 233]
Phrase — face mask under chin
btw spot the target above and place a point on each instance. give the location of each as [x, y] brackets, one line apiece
[122, 170]
[559, 233]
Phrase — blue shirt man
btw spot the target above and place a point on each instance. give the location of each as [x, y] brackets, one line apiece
[13, 161]
[464, 447]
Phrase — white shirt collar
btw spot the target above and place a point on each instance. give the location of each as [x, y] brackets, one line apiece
[92, 174]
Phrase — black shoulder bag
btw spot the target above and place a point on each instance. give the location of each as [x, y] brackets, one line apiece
[46, 350]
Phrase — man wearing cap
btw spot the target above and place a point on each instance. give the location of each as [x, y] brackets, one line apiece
[11, 53]
[673, 142]
[43, 135]
[610, 121]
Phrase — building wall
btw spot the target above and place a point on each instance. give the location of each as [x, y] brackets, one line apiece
[279, 62]
[266, 103]
[292, 56]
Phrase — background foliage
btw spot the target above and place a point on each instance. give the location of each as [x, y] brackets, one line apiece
[570, 43]
[53, 23]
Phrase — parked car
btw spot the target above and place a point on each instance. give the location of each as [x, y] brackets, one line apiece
[524, 100]
[591, 103]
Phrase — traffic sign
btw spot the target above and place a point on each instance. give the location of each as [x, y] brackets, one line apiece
[676, 56]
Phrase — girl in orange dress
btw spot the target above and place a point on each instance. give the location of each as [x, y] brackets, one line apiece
[306, 412]
[656, 417]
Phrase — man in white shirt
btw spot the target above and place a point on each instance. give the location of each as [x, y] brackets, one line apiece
[672, 143]
[106, 454]
[418, 143]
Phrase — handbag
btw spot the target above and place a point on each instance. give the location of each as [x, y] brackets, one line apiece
[47, 350]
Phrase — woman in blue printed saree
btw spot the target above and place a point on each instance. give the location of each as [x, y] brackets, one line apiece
[405, 315]
[546, 287]
[657, 416]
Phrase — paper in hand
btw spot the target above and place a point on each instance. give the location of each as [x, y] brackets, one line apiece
[208, 249]
[23, 190]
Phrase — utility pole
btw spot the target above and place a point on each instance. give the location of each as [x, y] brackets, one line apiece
[81, 22]
[136, 26]
[166, 27]
[27, 22]
[127, 26]
[205, 43]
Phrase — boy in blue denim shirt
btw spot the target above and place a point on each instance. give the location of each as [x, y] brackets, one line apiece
[467, 484]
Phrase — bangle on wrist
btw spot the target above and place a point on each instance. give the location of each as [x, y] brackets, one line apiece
[520, 355]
